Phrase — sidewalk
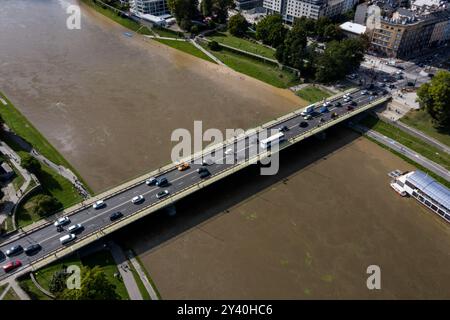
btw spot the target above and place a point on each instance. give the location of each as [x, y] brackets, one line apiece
[125, 271]
[148, 286]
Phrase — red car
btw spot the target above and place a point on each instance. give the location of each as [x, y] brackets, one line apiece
[12, 265]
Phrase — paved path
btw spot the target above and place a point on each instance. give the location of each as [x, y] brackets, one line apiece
[2, 294]
[209, 54]
[63, 171]
[125, 271]
[22, 294]
[148, 286]
[425, 162]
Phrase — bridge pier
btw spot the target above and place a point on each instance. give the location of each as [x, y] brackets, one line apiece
[171, 210]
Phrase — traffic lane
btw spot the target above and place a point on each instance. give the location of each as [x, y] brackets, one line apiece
[130, 210]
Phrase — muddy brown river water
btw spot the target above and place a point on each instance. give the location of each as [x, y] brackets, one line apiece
[108, 102]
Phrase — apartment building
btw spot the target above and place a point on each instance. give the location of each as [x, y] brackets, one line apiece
[149, 7]
[291, 9]
[406, 33]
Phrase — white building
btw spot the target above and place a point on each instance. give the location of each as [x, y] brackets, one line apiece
[426, 190]
[149, 7]
[351, 29]
[291, 9]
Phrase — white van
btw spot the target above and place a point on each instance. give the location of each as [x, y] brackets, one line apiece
[307, 110]
[67, 238]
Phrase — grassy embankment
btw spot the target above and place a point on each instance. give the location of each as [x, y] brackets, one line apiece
[313, 94]
[102, 258]
[243, 44]
[52, 183]
[126, 22]
[263, 71]
[420, 120]
[411, 142]
[11, 295]
[185, 47]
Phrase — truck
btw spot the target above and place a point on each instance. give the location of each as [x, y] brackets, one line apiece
[308, 110]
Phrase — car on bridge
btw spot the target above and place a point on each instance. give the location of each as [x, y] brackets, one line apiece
[67, 238]
[115, 216]
[14, 250]
[62, 221]
[99, 204]
[283, 129]
[137, 199]
[308, 117]
[162, 194]
[12, 265]
[75, 228]
[207, 162]
[324, 109]
[150, 181]
[162, 182]
[204, 174]
[183, 166]
[303, 124]
[32, 249]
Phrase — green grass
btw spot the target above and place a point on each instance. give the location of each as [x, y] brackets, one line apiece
[243, 44]
[34, 293]
[11, 295]
[166, 33]
[54, 185]
[148, 276]
[140, 284]
[23, 128]
[185, 47]
[408, 140]
[266, 72]
[421, 120]
[413, 163]
[102, 258]
[2, 288]
[18, 179]
[312, 94]
[127, 23]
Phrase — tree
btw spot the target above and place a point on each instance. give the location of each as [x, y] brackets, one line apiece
[31, 164]
[94, 286]
[237, 25]
[332, 32]
[321, 25]
[220, 9]
[58, 282]
[293, 51]
[339, 59]
[45, 205]
[270, 30]
[307, 24]
[207, 7]
[214, 45]
[183, 11]
[434, 97]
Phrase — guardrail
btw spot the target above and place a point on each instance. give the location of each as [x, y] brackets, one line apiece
[89, 238]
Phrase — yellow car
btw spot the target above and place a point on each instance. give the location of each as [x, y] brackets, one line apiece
[183, 166]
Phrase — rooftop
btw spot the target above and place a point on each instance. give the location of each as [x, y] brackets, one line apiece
[430, 187]
[353, 27]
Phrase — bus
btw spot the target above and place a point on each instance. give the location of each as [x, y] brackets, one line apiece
[276, 138]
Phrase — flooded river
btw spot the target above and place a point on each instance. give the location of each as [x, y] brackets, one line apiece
[109, 103]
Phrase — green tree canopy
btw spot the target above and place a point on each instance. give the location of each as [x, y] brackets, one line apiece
[183, 11]
[45, 205]
[271, 31]
[434, 97]
[293, 52]
[206, 7]
[94, 286]
[31, 164]
[237, 25]
[339, 59]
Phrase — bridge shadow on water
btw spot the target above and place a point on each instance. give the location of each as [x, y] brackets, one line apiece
[215, 200]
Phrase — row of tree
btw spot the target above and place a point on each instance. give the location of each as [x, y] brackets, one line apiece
[186, 11]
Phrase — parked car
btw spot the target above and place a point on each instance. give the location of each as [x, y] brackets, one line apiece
[32, 249]
[12, 265]
[183, 166]
[14, 250]
[162, 194]
[116, 215]
[162, 182]
[150, 181]
[62, 221]
[137, 199]
[99, 204]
